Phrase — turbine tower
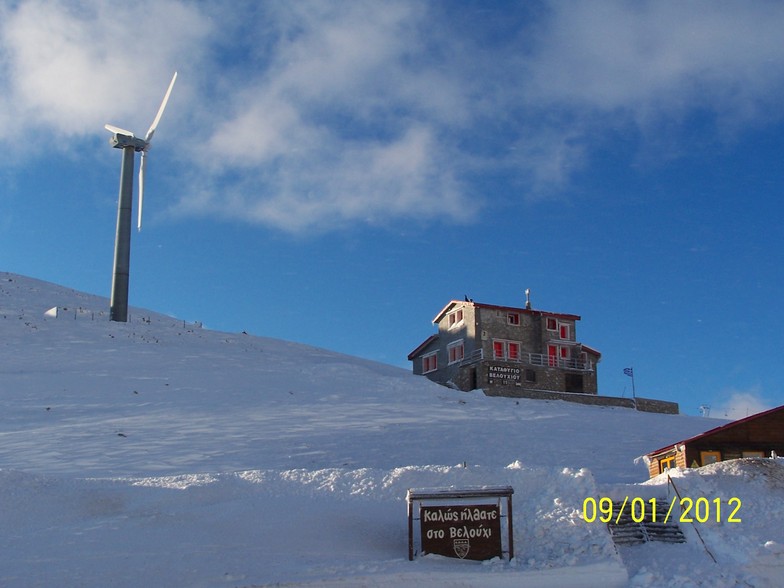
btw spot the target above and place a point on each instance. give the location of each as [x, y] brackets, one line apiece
[130, 144]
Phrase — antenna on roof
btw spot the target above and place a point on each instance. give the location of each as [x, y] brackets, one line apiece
[528, 299]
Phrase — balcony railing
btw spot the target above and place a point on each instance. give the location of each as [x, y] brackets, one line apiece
[474, 357]
[537, 359]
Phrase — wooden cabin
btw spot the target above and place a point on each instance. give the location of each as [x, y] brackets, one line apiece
[759, 435]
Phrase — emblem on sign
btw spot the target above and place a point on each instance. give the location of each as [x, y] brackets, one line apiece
[462, 547]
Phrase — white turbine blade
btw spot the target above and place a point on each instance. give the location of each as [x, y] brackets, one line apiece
[141, 190]
[154, 124]
[117, 130]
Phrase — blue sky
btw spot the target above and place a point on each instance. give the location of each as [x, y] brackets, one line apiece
[335, 172]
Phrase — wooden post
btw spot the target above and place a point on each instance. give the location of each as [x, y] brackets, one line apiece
[509, 526]
[410, 504]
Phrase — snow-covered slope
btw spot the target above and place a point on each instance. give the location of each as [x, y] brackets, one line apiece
[159, 453]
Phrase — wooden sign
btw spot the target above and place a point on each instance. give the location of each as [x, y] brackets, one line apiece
[463, 531]
[463, 523]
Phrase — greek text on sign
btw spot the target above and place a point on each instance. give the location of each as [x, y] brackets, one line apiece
[502, 372]
[464, 531]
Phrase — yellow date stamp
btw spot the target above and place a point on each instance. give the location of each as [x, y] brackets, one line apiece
[699, 510]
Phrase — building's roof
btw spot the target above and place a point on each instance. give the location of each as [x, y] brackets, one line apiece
[717, 430]
[591, 350]
[421, 346]
[452, 303]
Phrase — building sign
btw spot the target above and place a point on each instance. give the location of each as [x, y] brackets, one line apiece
[464, 531]
[503, 374]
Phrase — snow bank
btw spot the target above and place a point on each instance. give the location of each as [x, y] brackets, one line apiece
[265, 526]
[750, 492]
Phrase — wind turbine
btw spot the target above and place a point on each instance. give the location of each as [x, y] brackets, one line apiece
[130, 144]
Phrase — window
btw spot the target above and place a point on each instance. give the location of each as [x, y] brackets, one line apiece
[430, 362]
[513, 318]
[753, 454]
[552, 355]
[565, 331]
[455, 351]
[455, 318]
[509, 350]
[710, 457]
[666, 463]
[552, 324]
[530, 376]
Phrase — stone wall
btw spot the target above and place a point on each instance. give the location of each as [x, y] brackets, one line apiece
[498, 374]
[642, 404]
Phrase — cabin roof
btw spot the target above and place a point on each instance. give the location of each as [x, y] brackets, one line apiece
[718, 430]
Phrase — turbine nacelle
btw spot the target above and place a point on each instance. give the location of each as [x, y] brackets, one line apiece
[122, 138]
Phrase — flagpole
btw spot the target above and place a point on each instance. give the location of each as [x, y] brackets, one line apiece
[629, 371]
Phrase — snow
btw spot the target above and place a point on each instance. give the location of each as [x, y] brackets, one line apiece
[160, 453]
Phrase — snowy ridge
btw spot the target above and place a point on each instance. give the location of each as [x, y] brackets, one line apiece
[159, 453]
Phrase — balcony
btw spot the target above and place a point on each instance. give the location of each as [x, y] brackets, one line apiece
[536, 359]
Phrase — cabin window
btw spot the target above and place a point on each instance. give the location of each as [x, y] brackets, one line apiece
[456, 351]
[513, 318]
[430, 362]
[666, 463]
[708, 457]
[753, 454]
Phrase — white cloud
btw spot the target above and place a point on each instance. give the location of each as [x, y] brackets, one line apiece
[643, 69]
[336, 128]
[315, 115]
[654, 59]
[738, 404]
[71, 67]
[322, 189]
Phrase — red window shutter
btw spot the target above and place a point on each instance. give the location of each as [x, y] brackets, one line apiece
[552, 353]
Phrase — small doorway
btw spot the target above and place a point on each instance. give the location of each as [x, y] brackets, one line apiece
[574, 383]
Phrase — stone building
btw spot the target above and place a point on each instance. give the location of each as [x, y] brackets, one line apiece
[506, 351]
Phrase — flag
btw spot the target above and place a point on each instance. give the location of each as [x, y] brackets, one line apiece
[629, 372]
